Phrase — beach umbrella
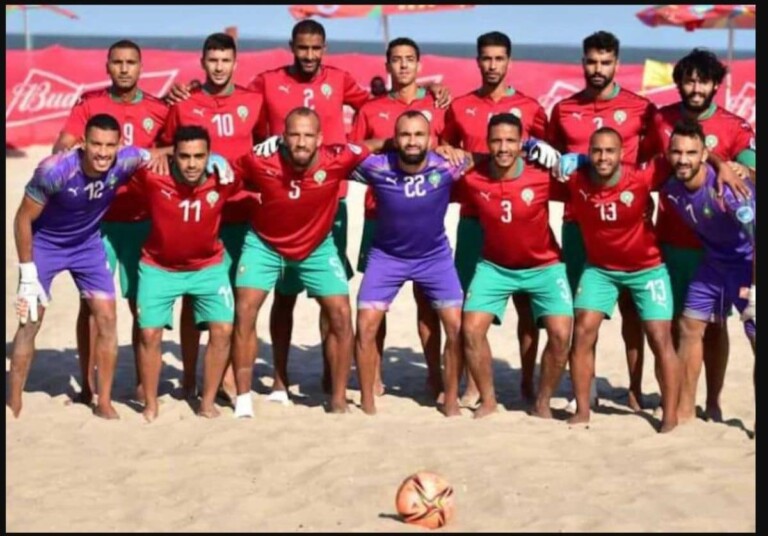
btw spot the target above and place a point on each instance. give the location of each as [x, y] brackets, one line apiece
[702, 17]
[381, 11]
[24, 8]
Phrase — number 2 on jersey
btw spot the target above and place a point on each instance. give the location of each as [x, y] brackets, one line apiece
[309, 96]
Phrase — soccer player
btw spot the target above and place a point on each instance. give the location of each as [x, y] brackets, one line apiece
[298, 190]
[520, 254]
[230, 114]
[466, 126]
[725, 276]
[376, 120]
[57, 229]
[190, 203]
[698, 76]
[572, 121]
[413, 189]
[125, 225]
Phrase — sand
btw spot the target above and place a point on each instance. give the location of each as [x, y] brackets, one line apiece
[299, 469]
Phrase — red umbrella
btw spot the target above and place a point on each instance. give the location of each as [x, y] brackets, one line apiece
[696, 17]
[24, 8]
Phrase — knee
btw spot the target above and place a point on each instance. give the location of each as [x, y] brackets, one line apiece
[367, 331]
[151, 337]
[106, 322]
[340, 318]
[245, 314]
[452, 331]
[560, 339]
[584, 334]
[474, 334]
[689, 331]
[220, 333]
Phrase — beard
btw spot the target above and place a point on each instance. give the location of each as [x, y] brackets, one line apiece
[599, 83]
[698, 108]
[412, 159]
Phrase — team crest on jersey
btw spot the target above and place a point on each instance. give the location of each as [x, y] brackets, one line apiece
[707, 211]
[517, 112]
[745, 214]
[242, 112]
[711, 141]
[527, 196]
[620, 116]
[434, 179]
[627, 197]
[427, 114]
[211, 198]
[319, 176]
[326, 90]
[148, 124]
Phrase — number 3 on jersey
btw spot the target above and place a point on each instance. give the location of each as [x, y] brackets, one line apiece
[506, 210]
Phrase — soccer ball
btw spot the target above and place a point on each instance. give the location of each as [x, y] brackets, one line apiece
[425, 499]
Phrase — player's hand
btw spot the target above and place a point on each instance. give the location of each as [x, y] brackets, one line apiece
[568, 163]
[30, 293]
[727, 175]
[441, 94]
[268, 147]
[158, 162]
[218, 164]
[751, 311]
[541, 152]
[648, 214]
[180, 92]
[455, 156]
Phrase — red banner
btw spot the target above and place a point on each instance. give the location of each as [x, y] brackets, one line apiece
[41, 86]
[336, 11]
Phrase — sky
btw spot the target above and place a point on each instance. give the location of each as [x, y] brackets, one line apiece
[565, 25]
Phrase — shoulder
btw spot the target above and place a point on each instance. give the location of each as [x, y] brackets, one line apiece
[272, 73]
[155, 104]
[90, 96]
[527, 99]
[730, 118]
[635, 99]
[334, 72]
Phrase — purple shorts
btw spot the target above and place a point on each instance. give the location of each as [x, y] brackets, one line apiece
[86, 262]
[385, 275]
[715, 289]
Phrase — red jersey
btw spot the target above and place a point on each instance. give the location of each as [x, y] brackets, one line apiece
[514, 215]
[617, 235]
[326, 94]
[185, 221]
[230, 118]
[466, 122]
[297, 208]
[376, 120]
[141, 121]
[727, 135]
[575, 118]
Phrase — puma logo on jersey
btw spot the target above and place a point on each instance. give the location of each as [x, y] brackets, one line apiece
[486, 195]
[198, 111]
[384, 115]
[284, 88]
[73, 191]
[584, 194]
[674, 198]
[577, 115]
[471, 111]
[392, 180]
[166, 193]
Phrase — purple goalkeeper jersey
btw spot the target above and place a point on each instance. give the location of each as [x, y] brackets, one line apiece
[411, 207]
[75, 203]
[726, 227]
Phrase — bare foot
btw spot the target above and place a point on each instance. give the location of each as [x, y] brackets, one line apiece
[451, 409]
[15, 408]
[528, 392]
[713, 413]
[684, 416]
[484, 410]
[635, 401]
[209, 412]
[369, 408]
[106, 411]
[541, 410]
[378, 388]
[339, 406]
[470, 399]
[579, 418]
[150, 413]
[440, 400]
[667, 426]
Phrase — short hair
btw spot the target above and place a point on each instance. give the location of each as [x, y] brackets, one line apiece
[601, 41]
[191, 133]
[124, 43]
[302, 111]
[505, 119]
[494, 39]
[411, 114]
[606, 130]
[702, 62]
[690, 128]
[403, 42]
[307, 26]
[102, 122]
[219, 41]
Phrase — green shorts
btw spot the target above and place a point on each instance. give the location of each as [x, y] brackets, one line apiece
[322, 273]
[213, 299]
[290, 284]
[574, 253]
[682, 264]
[469, 246]
[369, 228]
[651, 291]
[232, 236]
[493, 285]
[123, 242]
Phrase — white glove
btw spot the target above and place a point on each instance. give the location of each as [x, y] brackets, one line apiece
[268, 147]
[30, 293]
[750, 312]
[219, 165]
[544, 154]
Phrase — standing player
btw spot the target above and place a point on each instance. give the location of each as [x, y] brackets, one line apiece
[725, 276]
[125, 225]
[57, 229]
[466, 126]
[188, 202]
[230, 114]
[376, 120]
[520, 254]
[573, 120]
[698, 77]
[298, 190]
[413, 189]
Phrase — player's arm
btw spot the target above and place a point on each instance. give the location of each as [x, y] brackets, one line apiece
[73, 130]
[651, 143]
[180, 92]
[354, 94]
[747, 155]
[540, 126]
[727, 176]
[441, 93]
